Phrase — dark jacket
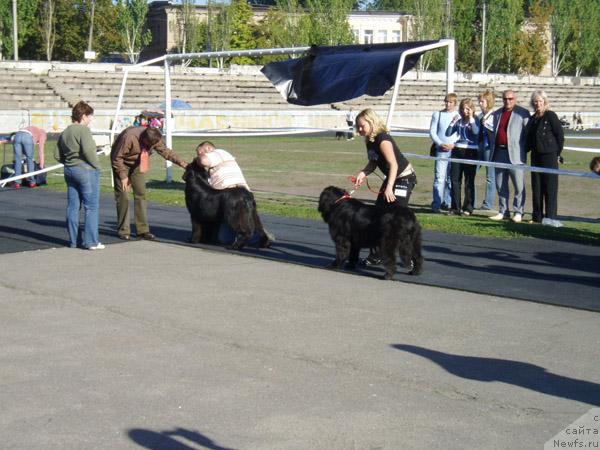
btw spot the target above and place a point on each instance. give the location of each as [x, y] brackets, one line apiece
[545, 134]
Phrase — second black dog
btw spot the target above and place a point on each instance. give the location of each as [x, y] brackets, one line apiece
[354, 225]
[210, 207]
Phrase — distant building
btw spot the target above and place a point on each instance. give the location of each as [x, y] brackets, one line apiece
[369, 27]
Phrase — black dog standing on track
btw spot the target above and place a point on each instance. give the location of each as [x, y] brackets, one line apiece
[354, 225]
[210, 207]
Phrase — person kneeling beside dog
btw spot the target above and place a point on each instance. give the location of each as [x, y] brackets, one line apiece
[224, 173]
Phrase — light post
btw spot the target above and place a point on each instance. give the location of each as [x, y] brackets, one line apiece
[483, 36]
[15, 32]
[89, 55]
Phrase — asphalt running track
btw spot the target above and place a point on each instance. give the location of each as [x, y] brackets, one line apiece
[539, 270]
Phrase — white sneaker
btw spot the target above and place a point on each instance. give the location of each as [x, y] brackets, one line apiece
[517, 218]
[498, 216]
[552, 223]
[98, 246]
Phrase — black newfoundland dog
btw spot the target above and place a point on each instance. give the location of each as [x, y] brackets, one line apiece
[210, 207]
[354, 225]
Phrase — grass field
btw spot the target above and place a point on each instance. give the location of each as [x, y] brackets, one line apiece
[287, 175]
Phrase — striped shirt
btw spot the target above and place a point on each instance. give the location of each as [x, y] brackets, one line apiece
[224, 170]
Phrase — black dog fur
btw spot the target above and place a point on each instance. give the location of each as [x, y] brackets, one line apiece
[354, 225]
[210, 207]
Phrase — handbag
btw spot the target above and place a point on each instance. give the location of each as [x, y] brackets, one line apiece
[433, 150]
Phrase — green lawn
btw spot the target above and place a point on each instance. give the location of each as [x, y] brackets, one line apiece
[288, 173]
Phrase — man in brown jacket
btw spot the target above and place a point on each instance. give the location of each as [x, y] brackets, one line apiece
[130, 161]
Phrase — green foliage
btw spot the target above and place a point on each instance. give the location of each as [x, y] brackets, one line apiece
[26, 24]
[465, 31]
[242, 32]
[327, 22]
[532, 43]
[502, 35]
[72, 28]
[131, 21]
[586, 42]
[282, 28]
[562, 22]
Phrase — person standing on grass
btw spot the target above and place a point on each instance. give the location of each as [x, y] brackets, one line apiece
[510, 135]
[486, 135]
[130, 160]
[467, 128]
[444, 144]
[545, 140]
[77, 152]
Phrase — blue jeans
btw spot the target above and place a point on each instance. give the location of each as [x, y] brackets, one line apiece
[83, 189]
[23, 144]
[441, 181]
[490, 179]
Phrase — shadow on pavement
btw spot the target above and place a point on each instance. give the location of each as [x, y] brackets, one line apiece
[525, 375]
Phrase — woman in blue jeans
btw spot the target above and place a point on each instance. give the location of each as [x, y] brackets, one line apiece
[77, 151]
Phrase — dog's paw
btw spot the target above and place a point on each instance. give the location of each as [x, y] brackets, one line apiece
[415, 269]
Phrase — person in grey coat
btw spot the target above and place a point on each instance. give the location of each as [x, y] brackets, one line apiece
[509, 147]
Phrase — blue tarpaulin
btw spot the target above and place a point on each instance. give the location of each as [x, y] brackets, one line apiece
[335, 74]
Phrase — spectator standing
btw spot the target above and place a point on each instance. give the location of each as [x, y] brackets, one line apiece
[467, 127]
[350, 123]
[545, 141]
[24, 142]
[130, 160]
[486, 136]
[510, 137]
[77, 151]
[443, 144]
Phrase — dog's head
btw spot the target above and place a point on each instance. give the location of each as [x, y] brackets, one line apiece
[195, 171]
[329, 199]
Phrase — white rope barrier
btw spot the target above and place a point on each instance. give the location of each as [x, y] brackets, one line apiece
[5, 181]
[524, 167]
[296, 131]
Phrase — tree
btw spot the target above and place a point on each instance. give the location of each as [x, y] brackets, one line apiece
[242, 31]
[48, 26]
[190, 33]
[282, 27]
[504, 24]
[131, 19]
[72, 24]
[218, 30]
[327, 22]
[532, 43]
[586, 42]
[26, 25]
[561, 25]
[107, 38]
[465, 30]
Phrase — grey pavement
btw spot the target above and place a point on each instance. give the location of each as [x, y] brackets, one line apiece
[162, 345]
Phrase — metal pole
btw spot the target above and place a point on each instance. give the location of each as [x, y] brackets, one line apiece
[90, 37]
[15, 32]
[483, 37]
[167, 119]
